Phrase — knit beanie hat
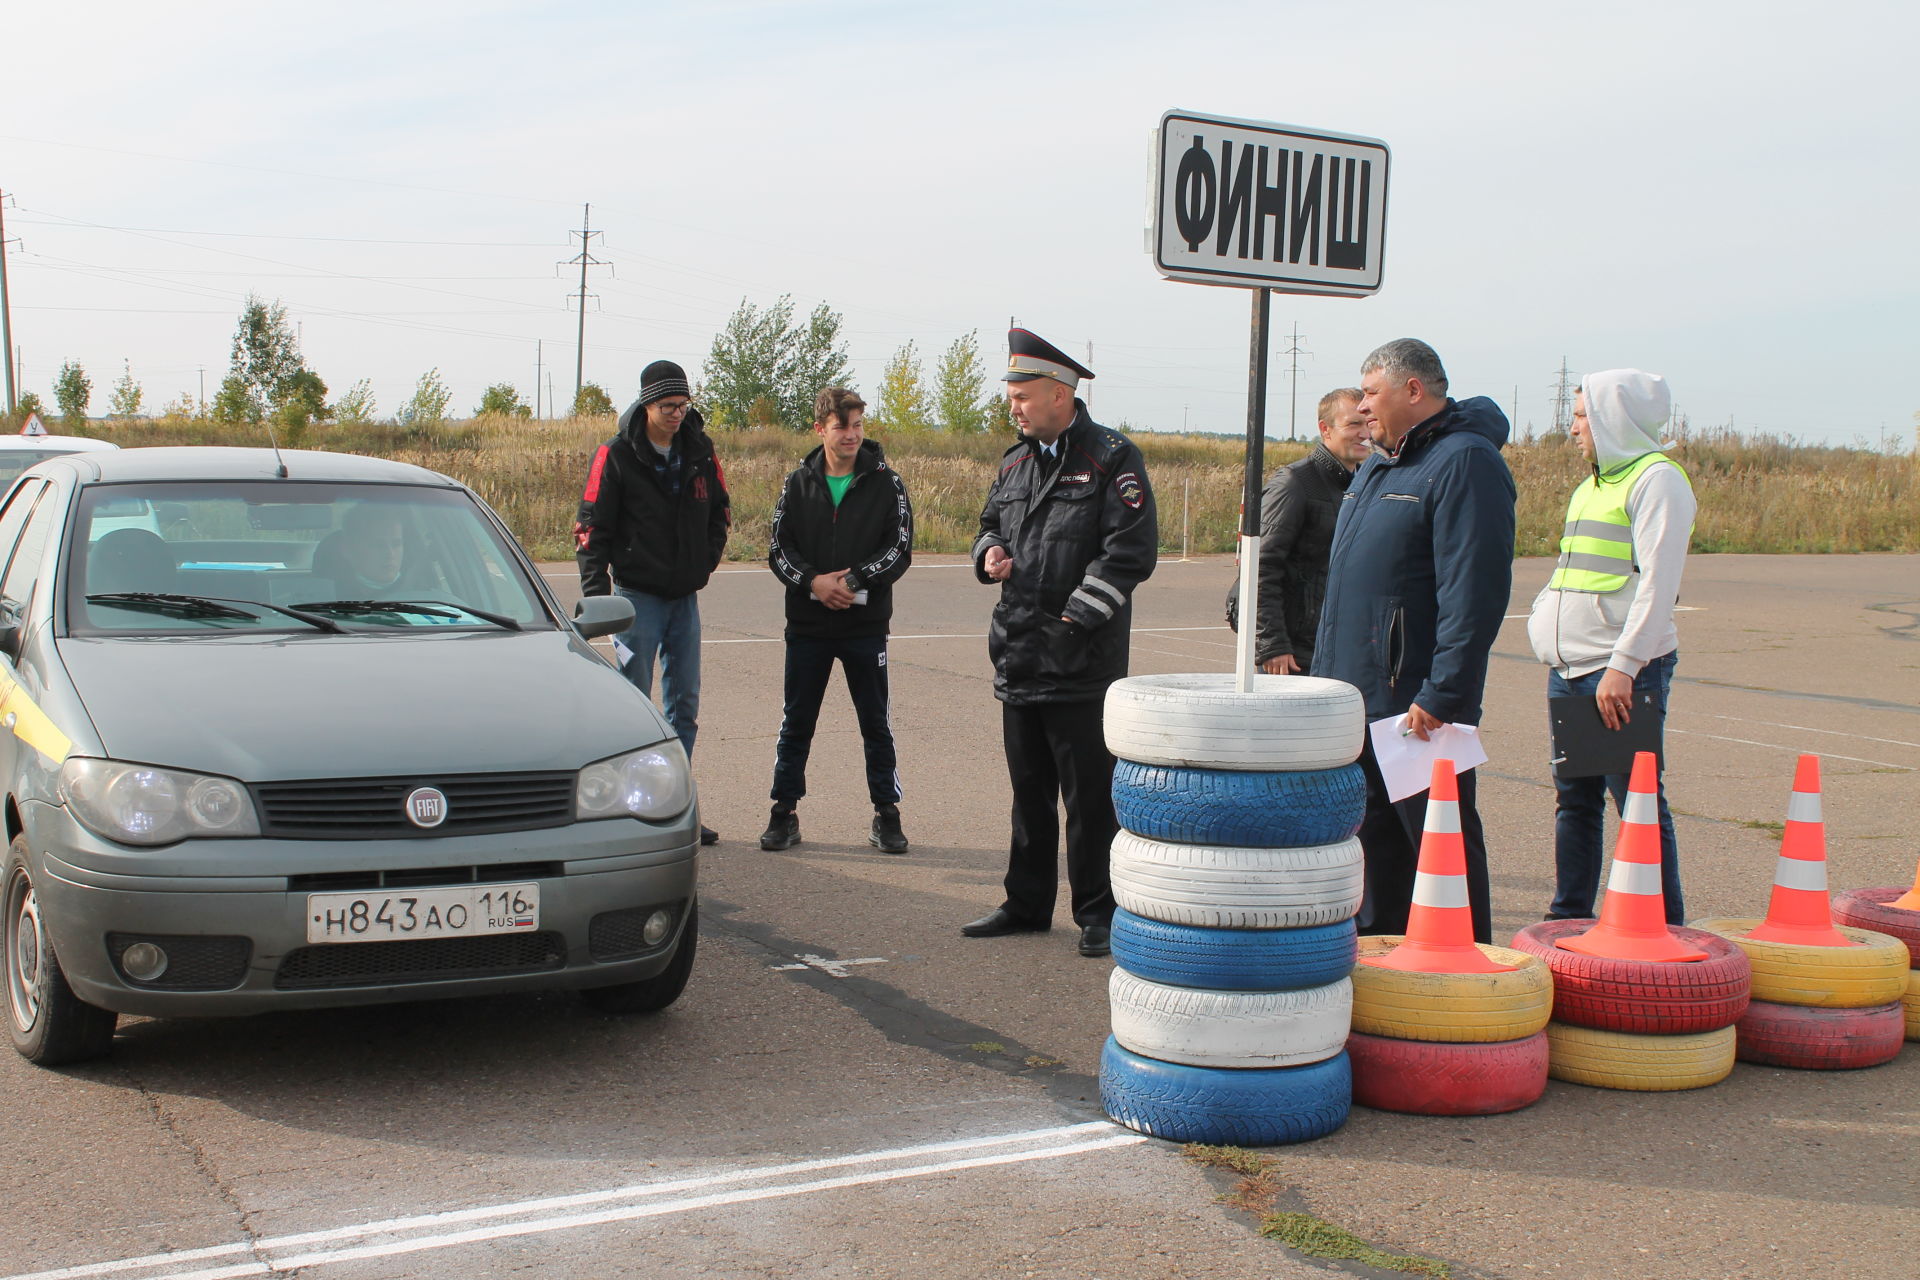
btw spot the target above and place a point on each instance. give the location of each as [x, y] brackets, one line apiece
[661, 379]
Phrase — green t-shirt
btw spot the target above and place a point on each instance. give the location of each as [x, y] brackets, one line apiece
[837, 486]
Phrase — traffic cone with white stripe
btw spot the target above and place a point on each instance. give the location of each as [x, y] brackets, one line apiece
[1440, 923]
[1633, 915]
[1800, 911]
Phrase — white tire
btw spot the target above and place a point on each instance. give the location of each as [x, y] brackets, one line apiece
[1203, 721]
[1229, 1028]
[1227, 887]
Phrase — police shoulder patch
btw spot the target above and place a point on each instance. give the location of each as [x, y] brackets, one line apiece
[1131, 491]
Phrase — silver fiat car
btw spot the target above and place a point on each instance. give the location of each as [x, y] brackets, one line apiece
[304, 729]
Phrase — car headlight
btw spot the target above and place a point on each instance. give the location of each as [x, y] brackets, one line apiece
[653, 783]
[140, 804]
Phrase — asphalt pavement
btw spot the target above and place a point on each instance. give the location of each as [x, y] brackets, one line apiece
[850, 1088]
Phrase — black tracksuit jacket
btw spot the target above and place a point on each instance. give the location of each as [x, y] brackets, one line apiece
[632, 524]
[870, 532]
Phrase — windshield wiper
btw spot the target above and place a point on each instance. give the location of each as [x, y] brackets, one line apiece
[204, 607]
[426, 608]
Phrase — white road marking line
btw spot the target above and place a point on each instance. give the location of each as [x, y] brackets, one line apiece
[1113, 1136]
[1775, 746]
[832, 968]
[1805, 728]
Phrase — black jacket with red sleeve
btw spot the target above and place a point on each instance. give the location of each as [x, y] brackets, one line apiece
[651, 524]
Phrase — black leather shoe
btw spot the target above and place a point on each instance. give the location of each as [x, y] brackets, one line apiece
[783, 830]
[887, 836]
[708, 835]
[1096, 940]
[997, 923]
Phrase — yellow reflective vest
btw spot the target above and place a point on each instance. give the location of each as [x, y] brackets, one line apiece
[1596, 547]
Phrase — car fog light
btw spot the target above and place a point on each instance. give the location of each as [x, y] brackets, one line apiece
[143, 962]
[656, 927]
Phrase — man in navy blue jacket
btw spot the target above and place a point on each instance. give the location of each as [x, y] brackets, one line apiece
[1417, 585]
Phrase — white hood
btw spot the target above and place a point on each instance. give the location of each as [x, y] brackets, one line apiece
[1626, 411]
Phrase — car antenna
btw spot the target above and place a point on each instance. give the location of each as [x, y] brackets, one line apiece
[282, 472]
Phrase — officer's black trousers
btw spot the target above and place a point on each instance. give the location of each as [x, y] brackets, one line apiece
[1390, 839]
[1057, 752]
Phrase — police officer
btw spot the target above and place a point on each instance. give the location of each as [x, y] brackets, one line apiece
[1068, 531]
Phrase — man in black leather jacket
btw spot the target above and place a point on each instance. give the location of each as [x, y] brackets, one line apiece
[1297, 514]
[1068, 531]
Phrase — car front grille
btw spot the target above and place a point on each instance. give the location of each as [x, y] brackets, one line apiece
[363, 964]
[376, 809]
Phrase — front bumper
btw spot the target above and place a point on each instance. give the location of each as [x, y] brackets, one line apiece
[598, 876]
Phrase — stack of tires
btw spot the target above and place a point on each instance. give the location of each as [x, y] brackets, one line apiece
[1643, 1025]
[1821, 1008]
[1876, 909]
[1449, 1044]
[1237, 878]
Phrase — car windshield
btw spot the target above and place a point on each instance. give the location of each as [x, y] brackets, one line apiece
[14, 461]
[207, 556]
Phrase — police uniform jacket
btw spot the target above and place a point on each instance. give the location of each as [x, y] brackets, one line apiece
[1083, 534]
[656, 531]
[870, 533]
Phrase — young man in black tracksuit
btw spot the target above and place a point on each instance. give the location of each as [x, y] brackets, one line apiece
[842, 535]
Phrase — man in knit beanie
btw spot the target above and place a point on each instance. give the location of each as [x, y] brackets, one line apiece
[652, 525]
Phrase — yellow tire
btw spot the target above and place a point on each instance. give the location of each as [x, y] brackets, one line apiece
[1457, 1008]
[1912, 1001]
[1875, 972]
[1643, 1063]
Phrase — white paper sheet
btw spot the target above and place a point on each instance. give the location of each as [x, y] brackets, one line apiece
[621, 654]
[1406, 763]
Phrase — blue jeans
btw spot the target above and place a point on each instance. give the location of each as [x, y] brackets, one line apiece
[671, 629]
[1580, 814]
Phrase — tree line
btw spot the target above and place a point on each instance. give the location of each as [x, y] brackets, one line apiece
[764, 368]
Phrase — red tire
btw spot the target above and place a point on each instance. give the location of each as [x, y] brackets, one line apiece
[1648, 997]
[1437, 1078]
[1812, 1039]
[1869, 909]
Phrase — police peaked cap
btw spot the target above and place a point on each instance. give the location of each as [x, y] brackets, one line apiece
[1031, 356]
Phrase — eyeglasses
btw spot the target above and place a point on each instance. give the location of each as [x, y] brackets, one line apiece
[673, 408]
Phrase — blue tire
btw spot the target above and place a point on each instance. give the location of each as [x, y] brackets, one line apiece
[1251, 810]
[1264, 1107]
[1184, 955]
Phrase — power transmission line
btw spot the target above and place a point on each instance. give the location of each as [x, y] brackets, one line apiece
[1563, 401]
[1294, 351]
[586, 259]
[6, 311]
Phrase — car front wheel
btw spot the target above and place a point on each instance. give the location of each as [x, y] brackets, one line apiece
[50, 1024]
[651, 995]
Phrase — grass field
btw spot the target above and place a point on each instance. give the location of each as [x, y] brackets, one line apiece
[1756, 495]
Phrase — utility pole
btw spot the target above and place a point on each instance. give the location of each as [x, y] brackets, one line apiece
[1563, 400]
[1087, 390]
[536, 377]
[203, 388]
[1294, 353]
[585, 259]
[6, 311]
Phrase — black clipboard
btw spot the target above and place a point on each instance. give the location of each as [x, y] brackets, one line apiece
[1583, 746]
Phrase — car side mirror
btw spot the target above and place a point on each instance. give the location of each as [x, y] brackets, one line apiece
[602, 615]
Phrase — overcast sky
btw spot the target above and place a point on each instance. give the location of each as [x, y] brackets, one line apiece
[1724, 193]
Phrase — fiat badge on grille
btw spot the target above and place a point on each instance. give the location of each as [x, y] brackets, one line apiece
[427, 807]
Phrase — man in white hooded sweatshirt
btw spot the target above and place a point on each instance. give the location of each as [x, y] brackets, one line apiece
[1604, 622]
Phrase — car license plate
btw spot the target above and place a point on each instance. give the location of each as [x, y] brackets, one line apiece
[384, 915]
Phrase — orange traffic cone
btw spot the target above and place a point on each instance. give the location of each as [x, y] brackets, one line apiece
[1800, 911]
[1909, 901]
[1633, 916]
[1440, 925]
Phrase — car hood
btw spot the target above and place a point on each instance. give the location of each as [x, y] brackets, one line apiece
[264, 708]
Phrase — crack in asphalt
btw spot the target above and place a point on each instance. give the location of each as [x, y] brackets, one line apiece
[902, 1018]
[170, 1124]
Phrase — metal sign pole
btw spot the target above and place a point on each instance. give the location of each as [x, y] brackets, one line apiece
[1250, 497]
